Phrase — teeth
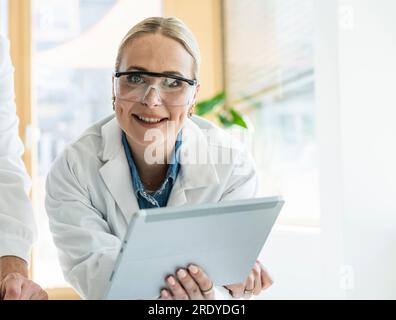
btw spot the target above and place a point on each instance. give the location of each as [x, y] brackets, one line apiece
[150, 120]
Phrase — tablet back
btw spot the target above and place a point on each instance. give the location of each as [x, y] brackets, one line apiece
[224, 239]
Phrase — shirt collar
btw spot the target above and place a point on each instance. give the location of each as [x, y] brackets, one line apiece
[193, 136]
[173, 167]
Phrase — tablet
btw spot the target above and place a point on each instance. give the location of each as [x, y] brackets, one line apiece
[223, 238]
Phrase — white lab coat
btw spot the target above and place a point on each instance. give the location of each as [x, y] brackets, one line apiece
[90, 197]
[17, 228]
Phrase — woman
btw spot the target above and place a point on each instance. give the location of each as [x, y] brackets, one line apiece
[148, 155]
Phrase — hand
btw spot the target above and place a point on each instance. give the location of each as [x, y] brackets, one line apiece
[190, 283]
[15, 286]
[257, 281]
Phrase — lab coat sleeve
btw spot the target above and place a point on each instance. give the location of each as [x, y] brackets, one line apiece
[86, 247]
[243, 182]
[17, 227]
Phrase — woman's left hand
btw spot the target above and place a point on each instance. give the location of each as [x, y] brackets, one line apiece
[257, 281]
[188, 283]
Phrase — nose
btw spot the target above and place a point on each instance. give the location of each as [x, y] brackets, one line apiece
[151, 98]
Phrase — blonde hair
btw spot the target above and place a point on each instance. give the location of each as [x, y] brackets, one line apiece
[170, 27]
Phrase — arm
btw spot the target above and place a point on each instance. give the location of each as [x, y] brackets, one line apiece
[17, 228]
[11, 264]
[14, 282]
[86, 247]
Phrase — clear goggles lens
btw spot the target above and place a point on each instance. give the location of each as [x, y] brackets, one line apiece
[135, 87]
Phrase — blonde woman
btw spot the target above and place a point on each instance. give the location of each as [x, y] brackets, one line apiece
[145, 156]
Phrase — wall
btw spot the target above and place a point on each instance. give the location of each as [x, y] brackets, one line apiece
[367, 51]
[327, 100]
[204, 19]
[291, 256]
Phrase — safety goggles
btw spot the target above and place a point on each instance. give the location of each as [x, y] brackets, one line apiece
[171, 90]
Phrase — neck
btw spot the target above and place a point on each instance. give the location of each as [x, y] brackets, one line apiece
[151, 174]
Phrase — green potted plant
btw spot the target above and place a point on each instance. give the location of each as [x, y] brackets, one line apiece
[216, 109]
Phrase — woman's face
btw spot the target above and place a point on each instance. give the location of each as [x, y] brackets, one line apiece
[160, 54]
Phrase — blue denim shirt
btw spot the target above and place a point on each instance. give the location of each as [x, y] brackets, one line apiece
[160, 197]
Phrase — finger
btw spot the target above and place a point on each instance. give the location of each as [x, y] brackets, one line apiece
[166, 295]
[266, 279]
[13, 289]
[190, 285]
[39, 295]
[176, 289]
[257, 279]
[204, 283]
[249, 285]
[28, 289]
[236, 290]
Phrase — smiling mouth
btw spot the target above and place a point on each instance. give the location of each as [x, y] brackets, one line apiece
[149, 120]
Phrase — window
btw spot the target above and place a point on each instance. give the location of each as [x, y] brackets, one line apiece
[269, 77]
[74, 48]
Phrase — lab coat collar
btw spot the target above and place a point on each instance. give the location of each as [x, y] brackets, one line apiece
[112, 139]
[115, 170]
[197, 167]
[193, 174]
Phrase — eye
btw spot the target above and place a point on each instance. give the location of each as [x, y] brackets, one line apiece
[171, 83]
[134, 79]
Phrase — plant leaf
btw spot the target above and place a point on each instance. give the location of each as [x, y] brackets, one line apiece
[207, 105]
[237, 118]
[224, 121]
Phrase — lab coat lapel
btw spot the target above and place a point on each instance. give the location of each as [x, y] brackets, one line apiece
[177, 197]
[197, 169]
[115, 172]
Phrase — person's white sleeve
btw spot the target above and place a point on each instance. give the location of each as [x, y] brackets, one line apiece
[87, 249]
[17, 227]
[243, 182]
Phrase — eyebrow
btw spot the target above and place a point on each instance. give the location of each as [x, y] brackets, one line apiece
[175, 73]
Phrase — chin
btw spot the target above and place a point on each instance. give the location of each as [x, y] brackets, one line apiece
[156, 135]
